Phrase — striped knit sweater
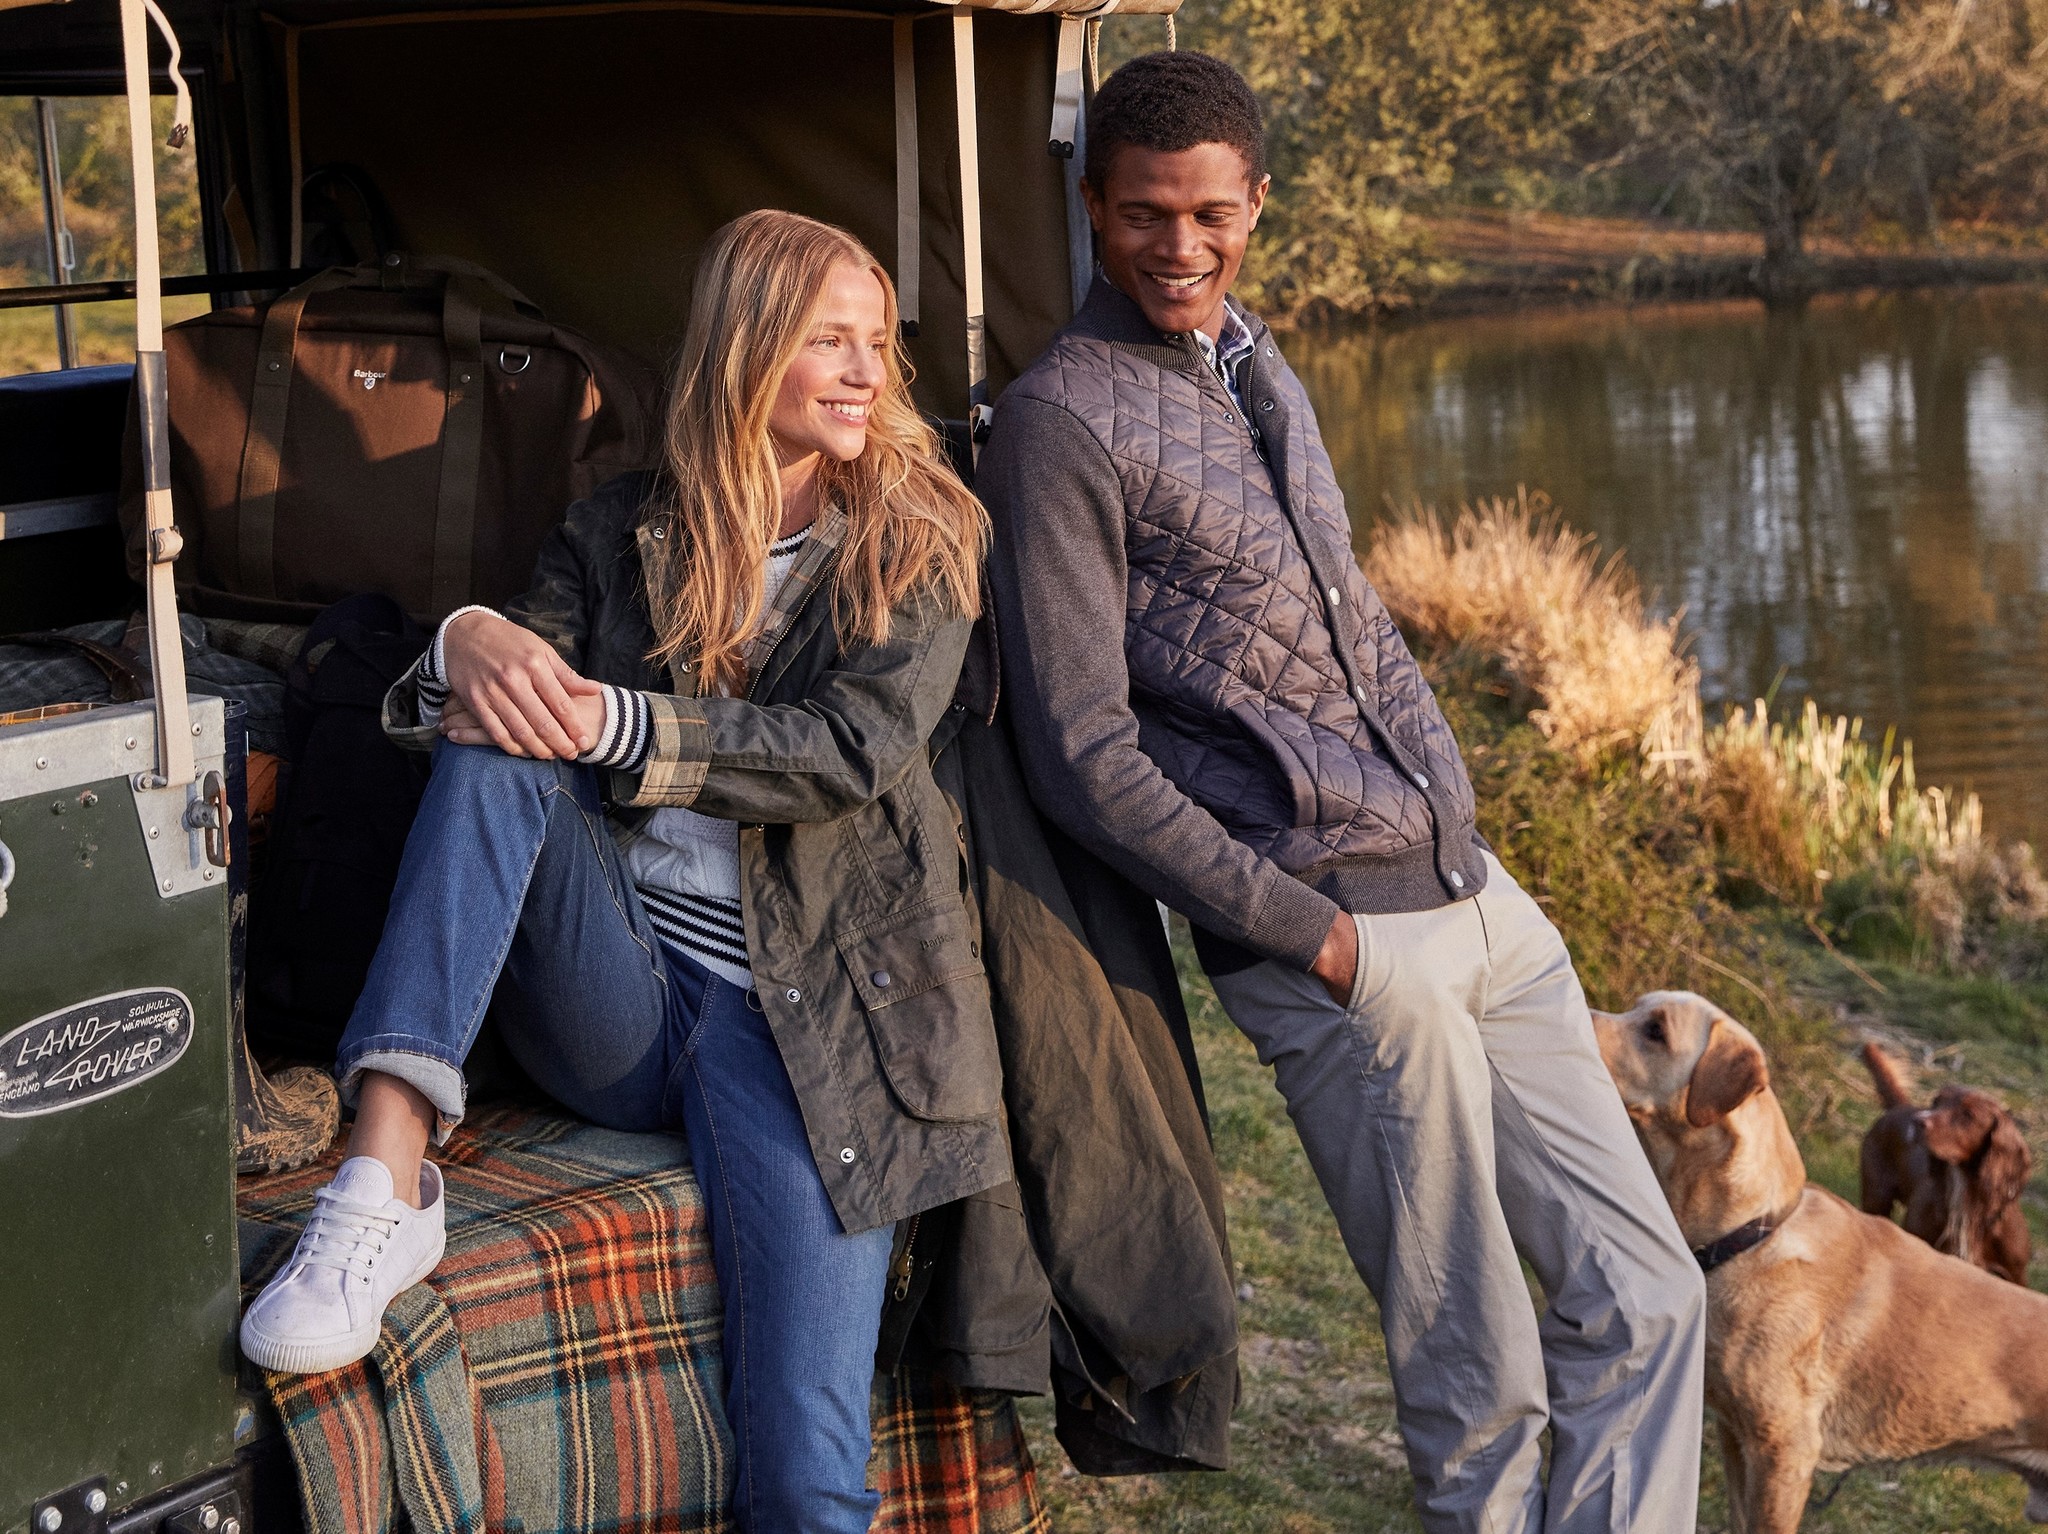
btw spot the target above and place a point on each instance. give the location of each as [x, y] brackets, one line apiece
[686, 866]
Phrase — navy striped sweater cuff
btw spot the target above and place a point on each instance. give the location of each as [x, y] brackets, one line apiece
[628, 731]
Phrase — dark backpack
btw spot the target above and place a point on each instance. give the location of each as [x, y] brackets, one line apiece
[339, 830]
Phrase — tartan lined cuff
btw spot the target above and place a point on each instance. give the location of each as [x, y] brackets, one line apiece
[677, 757]
[628, 731]
[405, 722]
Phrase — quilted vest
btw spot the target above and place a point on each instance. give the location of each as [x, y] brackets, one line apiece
[1269, 682]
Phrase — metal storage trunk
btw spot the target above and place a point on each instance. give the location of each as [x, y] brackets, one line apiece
[118, 1293]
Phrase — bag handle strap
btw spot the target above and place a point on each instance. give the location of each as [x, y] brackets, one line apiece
[263, 443]
[455, 266]
[462, 441]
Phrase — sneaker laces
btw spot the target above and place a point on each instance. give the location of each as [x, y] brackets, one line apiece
[345, 1234]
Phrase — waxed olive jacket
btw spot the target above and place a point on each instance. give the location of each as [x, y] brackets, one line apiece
[864, 945]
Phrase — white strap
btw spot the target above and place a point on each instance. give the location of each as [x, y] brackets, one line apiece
[160, 537]
[1066, 89]
[909, 197]
[966, 124]
[181, 119]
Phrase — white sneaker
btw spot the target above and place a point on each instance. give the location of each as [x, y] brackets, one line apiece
[362, 1248]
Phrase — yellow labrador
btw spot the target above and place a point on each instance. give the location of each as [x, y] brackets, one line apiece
[1833, 1337]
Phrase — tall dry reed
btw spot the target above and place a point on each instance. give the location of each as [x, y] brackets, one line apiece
[1509, 580]
[1509, 587]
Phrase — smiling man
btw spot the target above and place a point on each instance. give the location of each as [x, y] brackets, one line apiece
[1209, 695]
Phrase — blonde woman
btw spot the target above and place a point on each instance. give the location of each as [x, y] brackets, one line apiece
[682, 826]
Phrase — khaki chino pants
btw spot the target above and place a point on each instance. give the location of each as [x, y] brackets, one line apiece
[1457, 1114]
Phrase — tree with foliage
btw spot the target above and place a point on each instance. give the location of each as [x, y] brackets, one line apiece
[1767, 102]
[1372, 106]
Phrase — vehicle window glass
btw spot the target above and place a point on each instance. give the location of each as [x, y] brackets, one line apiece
[91, 137]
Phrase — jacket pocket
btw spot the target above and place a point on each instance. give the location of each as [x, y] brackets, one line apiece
[919, 977]
[1290, 771]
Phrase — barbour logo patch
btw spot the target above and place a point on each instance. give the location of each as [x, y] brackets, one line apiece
[369, 379]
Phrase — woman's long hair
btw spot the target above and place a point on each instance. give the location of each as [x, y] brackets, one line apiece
[911, 524]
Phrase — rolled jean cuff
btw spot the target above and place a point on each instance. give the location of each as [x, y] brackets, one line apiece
[436, 1080]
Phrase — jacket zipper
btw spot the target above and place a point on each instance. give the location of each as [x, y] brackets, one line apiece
[904, 1264]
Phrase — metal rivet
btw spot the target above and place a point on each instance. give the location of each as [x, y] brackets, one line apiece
[847, 1155]
[465, 378]
[88, 799]
[974, 950]
[1265, 404]
[95, 1501]
[1422, 780]
[794, 994]
[167, 886]
[275, 366]
[1457, 880]
[661, 532]
[393, 259]
[42, 762]
[880, 977]
[1269, 351]
[130, 743]
[154, 832]
[195, 729]
[50, 1520]
[208, 874]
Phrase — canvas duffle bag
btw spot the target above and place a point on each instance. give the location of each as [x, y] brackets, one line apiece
[412, 428]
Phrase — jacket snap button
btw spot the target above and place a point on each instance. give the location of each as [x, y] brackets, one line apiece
[1265, 404]
[794, 994]
[1457, 880]
[1229, 419]
[847, 1155]
[661, 532]
[880, 977]
[1336, 597]
[1422, 780]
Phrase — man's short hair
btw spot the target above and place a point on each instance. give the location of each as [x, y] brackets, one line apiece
[1170, 102]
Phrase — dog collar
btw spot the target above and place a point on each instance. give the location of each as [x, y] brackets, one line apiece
[1734, 1244]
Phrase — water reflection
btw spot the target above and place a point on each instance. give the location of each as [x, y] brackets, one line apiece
[1856, 497]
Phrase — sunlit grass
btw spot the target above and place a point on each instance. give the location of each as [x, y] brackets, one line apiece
[106, 333]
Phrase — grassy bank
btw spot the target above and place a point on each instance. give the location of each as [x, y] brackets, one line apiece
[1482, 260]
[1635, 823]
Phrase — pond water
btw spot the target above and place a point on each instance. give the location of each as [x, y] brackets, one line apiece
[1850, 503]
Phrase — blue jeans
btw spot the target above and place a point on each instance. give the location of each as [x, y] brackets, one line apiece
[511, 885]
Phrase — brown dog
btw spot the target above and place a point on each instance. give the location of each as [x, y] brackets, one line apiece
[1959, 1166]
[1833, 1337]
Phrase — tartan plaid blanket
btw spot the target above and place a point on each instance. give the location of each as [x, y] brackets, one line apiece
[560, 1370]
